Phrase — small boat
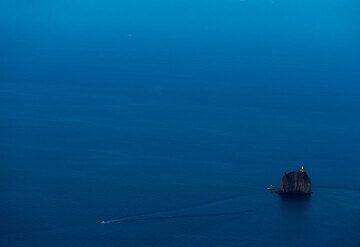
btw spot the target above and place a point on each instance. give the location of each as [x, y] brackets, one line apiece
[103, 222]
[271, 188]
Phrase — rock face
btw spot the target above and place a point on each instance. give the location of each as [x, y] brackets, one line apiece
[297, 182]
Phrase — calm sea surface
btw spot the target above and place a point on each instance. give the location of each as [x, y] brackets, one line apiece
[171, 119]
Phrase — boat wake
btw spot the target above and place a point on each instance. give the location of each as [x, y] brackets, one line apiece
[169, 217]
[172, 214]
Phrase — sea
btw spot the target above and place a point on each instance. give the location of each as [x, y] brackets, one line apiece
[162, 123]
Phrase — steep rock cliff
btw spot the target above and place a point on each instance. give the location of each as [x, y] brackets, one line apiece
[297, 182]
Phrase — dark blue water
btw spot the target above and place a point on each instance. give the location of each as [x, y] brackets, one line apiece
[174, 117]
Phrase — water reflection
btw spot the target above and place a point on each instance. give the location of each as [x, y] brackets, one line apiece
[294, 216]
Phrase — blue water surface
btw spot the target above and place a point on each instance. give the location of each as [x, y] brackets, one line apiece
[172, 117]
